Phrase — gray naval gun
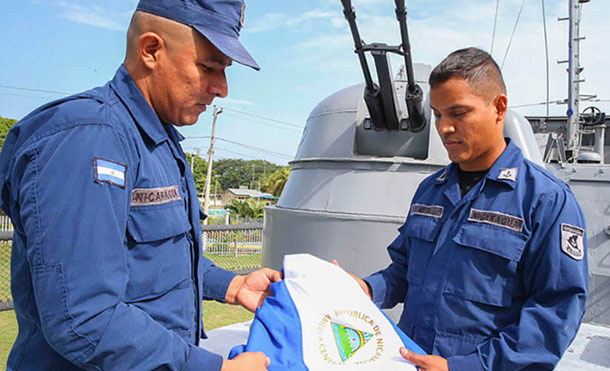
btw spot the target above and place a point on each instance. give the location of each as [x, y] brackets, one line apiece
[365, 149]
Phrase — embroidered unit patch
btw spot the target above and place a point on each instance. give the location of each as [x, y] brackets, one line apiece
[433, 211]
[496, 218]
[107, 171]
[572, 241]
[510, 174]
[154, 196]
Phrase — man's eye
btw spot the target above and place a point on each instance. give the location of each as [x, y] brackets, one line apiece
[458, 114]
[204, 67]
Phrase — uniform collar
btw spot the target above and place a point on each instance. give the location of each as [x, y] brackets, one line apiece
[138, 106]
[507, 167]
[504, 170]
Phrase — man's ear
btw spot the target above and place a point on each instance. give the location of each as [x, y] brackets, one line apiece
[500, 103]
[149, 48]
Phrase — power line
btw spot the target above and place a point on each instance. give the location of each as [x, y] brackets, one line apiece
[556, 102]
[265, 118]
[264, 123]
[254, 148]
[273, 153]
[35, 90]
[513, 33]
[24, 96]
[493, 34]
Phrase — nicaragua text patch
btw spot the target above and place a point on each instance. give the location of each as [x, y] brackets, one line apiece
[496, 218]
[154, 196]
[426, 210]
[572, 241]
[107, 171]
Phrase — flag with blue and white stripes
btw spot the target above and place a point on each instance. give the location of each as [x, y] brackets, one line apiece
[109, 172]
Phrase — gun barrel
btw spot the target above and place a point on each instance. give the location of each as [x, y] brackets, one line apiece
[350, 16]
[401, 16]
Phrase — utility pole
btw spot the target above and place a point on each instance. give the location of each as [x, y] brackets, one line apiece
[208, 178]
[196, 152]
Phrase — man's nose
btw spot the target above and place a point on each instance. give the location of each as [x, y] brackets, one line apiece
[444, 126]
[218, 86]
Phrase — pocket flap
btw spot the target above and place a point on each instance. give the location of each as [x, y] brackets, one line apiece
[422, 227]
[153, 223]
[507, 244]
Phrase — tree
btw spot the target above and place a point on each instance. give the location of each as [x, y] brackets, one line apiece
[200, 170]
[249, 208]
[235, 172]
[5, 125]
[276, 181]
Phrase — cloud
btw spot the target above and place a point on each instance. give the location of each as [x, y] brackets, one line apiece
[95, 15]
[441, 29]
[271, 21]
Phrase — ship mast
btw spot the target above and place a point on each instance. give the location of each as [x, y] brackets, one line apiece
[574, 79]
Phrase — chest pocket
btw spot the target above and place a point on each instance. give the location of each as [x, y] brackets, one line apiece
[484, 267]
[422, 232]
[157, 222]
[159, 251]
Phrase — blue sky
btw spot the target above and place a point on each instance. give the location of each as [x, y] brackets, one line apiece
[305, 51]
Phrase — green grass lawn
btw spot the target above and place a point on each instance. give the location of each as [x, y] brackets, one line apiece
[8, 333]
[236, 263]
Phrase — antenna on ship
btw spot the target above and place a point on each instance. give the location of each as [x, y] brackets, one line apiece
[585, 123]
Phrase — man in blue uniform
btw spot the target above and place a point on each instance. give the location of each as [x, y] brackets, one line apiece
[107, 269]
[491, 261]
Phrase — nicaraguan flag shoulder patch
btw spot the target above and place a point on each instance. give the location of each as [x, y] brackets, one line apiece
[107, 171]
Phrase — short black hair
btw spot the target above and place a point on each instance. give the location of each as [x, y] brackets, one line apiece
[475, 66]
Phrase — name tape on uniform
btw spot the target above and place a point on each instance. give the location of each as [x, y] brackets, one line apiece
[107, 171]
[573, 241]
[154, 196]
[427, 210]
[496, 218]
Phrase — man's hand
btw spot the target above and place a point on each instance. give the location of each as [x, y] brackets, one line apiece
[249, 361]
[250, 291]
[425, 363]
[363, 285]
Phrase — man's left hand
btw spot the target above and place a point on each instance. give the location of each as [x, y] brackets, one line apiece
[425, 363]
[250, 291]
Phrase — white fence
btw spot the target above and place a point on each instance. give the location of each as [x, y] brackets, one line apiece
[5, 224]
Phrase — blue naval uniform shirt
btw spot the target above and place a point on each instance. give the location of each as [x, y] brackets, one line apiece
[488, 281]
[107, 269]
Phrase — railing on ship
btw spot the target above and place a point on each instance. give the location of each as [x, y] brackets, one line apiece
[234, 247]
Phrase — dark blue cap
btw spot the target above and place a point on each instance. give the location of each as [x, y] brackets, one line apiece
[219, 21]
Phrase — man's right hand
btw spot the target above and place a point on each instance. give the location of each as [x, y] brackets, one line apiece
[249, 361]
[362, 283]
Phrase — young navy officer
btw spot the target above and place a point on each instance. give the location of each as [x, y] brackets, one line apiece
[491, 261]
[107, 270]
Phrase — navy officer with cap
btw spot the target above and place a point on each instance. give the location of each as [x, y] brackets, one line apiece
[491, 261]
[107, 271]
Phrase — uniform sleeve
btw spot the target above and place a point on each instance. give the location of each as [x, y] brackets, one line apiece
[390, 284]
[75, 223]
[555, 279]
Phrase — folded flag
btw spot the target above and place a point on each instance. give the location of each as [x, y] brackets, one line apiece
[320, 319]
